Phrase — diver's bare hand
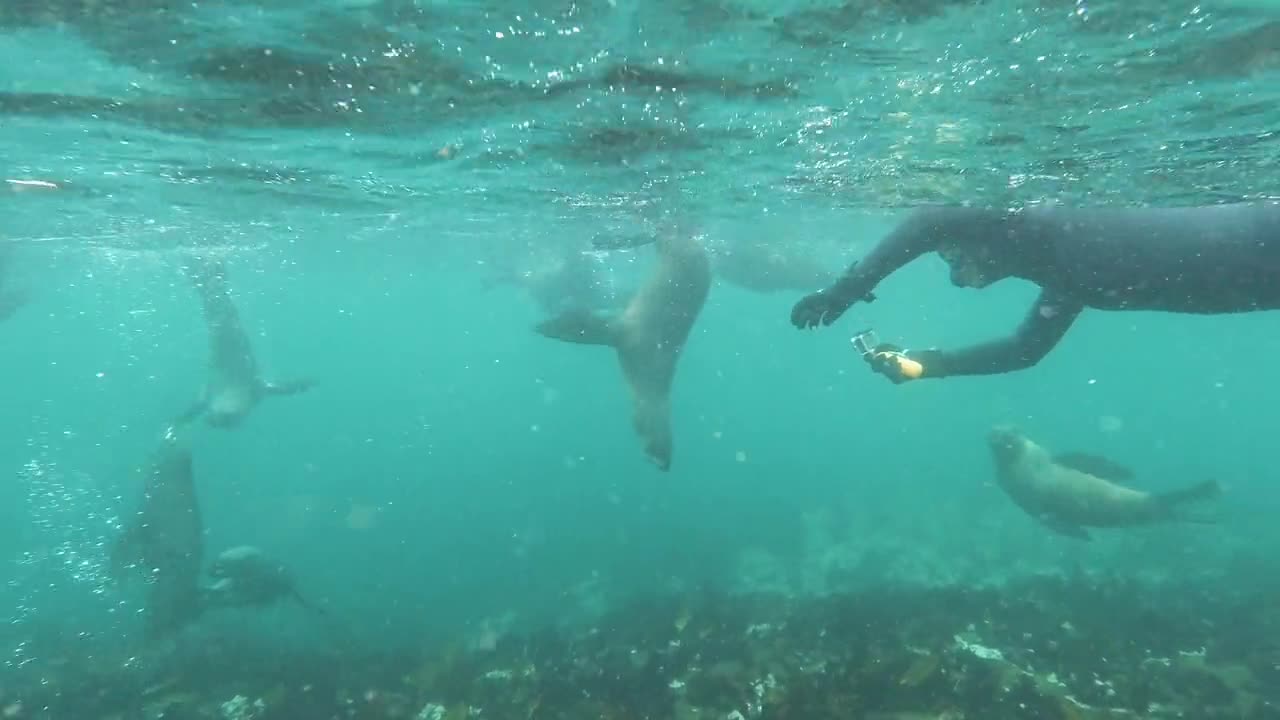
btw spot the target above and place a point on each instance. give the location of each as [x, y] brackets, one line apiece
[820, 308]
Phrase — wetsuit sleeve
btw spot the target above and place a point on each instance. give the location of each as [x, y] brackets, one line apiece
[1045, 324]
[915, 236]
[923, 231]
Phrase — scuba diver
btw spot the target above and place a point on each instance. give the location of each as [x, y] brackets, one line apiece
[1207, 260]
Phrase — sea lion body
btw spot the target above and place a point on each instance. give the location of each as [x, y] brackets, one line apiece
[165, 539]
[649, 335]
[562, 281]
[1068, 499]
[763, 267]
[234, 386]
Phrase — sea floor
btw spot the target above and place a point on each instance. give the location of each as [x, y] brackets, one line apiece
[1041, 648]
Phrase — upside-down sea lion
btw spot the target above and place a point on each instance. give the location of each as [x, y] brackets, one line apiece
[234, 386]
[766, 267]
[649, 335]
[1066, 495]
[245, 576]
[560, 280]
[164, 538]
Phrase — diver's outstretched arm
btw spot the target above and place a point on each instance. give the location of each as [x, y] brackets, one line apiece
[293, 387]
[913, 237]
[1044, 325]
[907, 242]
[923, 231]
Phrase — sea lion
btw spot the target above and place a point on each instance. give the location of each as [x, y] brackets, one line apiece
[759, 266]
[560, 281]
[234, 386]
[165, 539]
[649, 335]
[767, 267]
[1066, 497]
[245, 576]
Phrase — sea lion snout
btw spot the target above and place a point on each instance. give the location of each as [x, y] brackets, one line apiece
[1003, 434]
[1004, 440]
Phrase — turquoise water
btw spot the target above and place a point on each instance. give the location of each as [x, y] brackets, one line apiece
[370, 168]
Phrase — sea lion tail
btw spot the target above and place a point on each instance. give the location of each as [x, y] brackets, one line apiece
[580, 325]
[1171, 501]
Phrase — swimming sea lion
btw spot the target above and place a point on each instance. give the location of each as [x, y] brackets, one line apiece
[758, 266]
[560, 281]
[234, 386]
[764, 267]
[1063, 494]
[649, 335]
[245, 576]
[165, 539]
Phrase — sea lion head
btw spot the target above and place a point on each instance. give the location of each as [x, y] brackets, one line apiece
[228, 560]
[1006, 443]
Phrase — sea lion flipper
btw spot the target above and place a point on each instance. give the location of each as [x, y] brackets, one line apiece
[1171, 501]
[196, 410]
[605, 243]
[580, 326]
[292, 387]
[1095, 465]
[1065, 528]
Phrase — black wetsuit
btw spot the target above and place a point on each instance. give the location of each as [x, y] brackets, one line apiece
[1203, 260]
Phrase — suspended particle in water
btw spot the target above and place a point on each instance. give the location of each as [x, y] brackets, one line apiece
[740, 456]
[1110, 424]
